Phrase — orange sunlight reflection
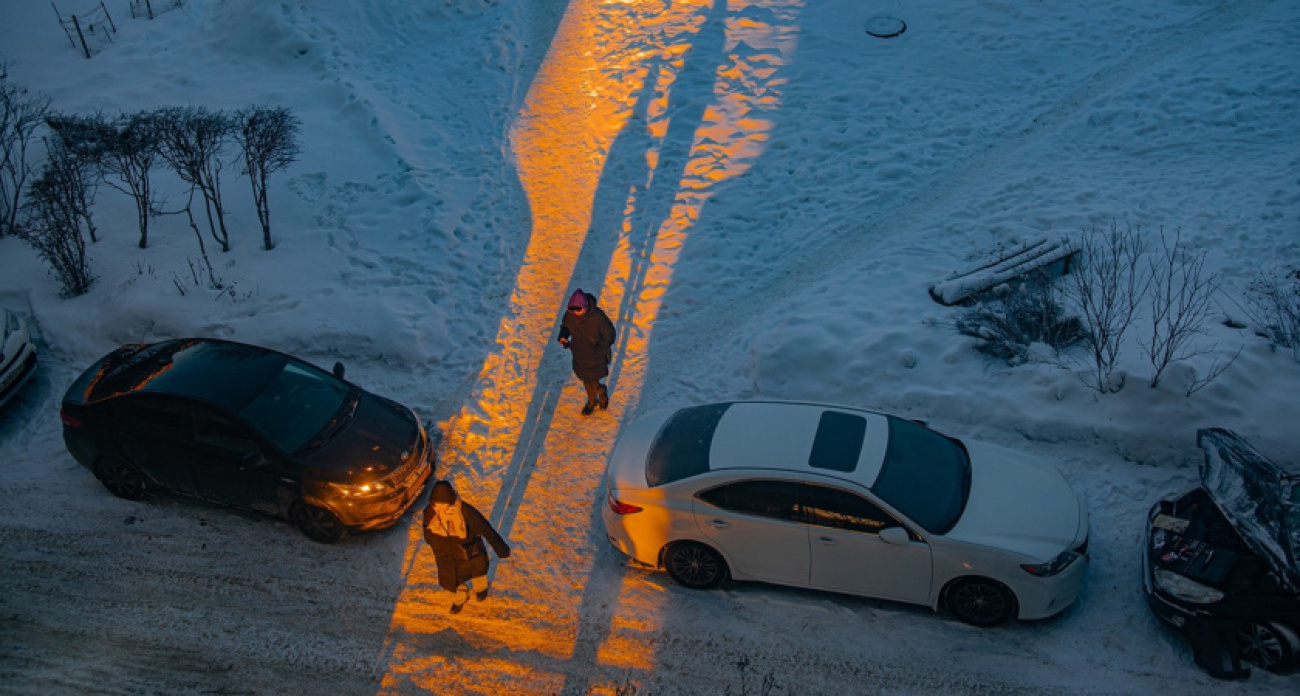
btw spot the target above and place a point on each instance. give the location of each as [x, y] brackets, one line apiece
[517, 450]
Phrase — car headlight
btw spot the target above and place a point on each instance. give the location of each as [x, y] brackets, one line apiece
[1052, 567]
[360, 490]
[1185, 588]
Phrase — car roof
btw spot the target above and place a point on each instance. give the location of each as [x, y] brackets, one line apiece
[792, 436]
[223, 373]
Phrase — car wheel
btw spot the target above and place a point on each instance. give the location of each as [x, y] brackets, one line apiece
[317, 523]
[1267, 645]
[980, 601]
[121, 478]
[695, 565]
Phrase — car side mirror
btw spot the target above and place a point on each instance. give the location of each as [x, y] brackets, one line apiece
[338, 370]
[896, 536]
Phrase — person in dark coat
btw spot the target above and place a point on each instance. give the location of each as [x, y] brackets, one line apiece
[455, 530]
[588, 334]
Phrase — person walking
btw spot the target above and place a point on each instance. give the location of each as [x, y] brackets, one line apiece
[455, 530]
[588, 334]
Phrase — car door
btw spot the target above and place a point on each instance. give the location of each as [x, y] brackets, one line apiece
[756, 523]
[848, 554]
[230, 464]
[153, 433]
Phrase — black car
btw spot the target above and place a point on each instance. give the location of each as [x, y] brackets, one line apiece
[247, 427]
[1220, 560]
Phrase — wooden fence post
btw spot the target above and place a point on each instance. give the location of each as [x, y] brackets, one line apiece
[81, 36]
[108, 16]
[63, 23]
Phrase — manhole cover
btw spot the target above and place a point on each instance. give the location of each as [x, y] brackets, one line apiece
[885, 27]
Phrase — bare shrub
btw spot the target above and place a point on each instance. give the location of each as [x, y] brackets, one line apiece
[77, 148]
[1180, 302]
[1273, 305]
[1107, 288]
[129, 157]
[200, 276]
[211, 279]
[1022, 313]
[269, 138]
[192, 140]
[52, 226]
[20, 115]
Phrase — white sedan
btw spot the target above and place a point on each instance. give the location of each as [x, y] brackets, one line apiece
[847, 500]
[17, 354]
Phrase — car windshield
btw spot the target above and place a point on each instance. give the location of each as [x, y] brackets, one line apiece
[682, 448]
[299, 407]
[925, 476]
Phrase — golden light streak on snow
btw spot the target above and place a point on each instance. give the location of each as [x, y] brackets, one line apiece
[518, 448]
[576, 108]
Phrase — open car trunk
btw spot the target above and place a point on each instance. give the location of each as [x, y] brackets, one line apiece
[1196, 540]
[1260, 498]
[1235, 538]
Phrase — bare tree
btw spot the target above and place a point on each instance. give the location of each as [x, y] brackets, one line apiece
[1108, 288]
[269, 138]
[130, 157]
[191, 139]
[20, 115]
[77, 150]
[1180, 301]
[52, 226]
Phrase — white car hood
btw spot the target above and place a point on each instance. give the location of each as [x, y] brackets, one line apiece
[1020, 505]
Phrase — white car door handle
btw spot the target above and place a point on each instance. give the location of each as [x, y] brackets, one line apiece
[719, 524]
[826, 541]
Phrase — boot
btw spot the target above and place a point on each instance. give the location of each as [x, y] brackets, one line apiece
[603, 399]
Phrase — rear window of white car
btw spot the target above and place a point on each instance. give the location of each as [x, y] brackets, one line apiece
[682, 448]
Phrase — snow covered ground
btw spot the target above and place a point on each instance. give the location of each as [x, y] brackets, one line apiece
[760, 193]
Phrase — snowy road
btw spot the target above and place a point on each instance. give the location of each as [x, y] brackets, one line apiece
[502, 154]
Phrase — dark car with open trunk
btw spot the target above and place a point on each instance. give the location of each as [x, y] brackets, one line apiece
[1220, 560]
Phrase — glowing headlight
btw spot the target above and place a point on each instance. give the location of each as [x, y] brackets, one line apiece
[360, 490]
[1051, 567]
[1185, 589]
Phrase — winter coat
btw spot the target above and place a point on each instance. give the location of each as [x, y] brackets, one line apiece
[454, 568]
[591, 341]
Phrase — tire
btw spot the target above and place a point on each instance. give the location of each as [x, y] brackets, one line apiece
[980, 602]
[1268, 645]
[317, 523]
[695, 565]
[121, 478]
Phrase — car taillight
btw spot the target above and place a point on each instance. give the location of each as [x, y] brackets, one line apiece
[619, 507]
[68, 420]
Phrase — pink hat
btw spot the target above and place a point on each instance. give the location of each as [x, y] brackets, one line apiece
[578, 299]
